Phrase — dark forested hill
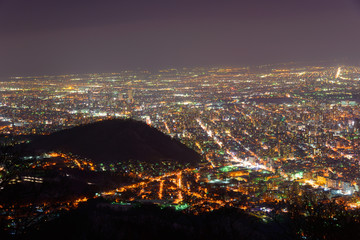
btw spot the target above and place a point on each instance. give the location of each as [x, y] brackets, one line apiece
[115, 140]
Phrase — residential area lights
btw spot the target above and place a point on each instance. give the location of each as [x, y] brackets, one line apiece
[279, 130]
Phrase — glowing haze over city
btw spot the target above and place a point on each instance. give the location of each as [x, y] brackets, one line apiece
[265, 95]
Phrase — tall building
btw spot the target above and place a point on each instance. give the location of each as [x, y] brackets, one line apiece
[130, 96]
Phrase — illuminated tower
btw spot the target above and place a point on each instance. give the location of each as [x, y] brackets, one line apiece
[130, 96]
[90, 103]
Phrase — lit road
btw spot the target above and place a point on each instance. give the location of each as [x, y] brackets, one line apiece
[232, 155]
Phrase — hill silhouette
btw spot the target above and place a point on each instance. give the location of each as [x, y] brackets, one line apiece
[98, 219]
[115, 140]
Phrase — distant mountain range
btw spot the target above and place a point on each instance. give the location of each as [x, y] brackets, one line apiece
[116, 140]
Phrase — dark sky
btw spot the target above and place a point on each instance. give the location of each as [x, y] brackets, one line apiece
[74, 36]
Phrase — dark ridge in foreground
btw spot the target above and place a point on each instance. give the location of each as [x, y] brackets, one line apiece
[101, 219]
[117, 140]
[98, 219]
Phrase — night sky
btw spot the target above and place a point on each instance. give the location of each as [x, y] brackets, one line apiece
[75, 36]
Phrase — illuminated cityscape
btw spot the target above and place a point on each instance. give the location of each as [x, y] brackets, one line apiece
[266, 133]
[199, 119]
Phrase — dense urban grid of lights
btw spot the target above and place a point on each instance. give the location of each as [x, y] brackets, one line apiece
[265, 133]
